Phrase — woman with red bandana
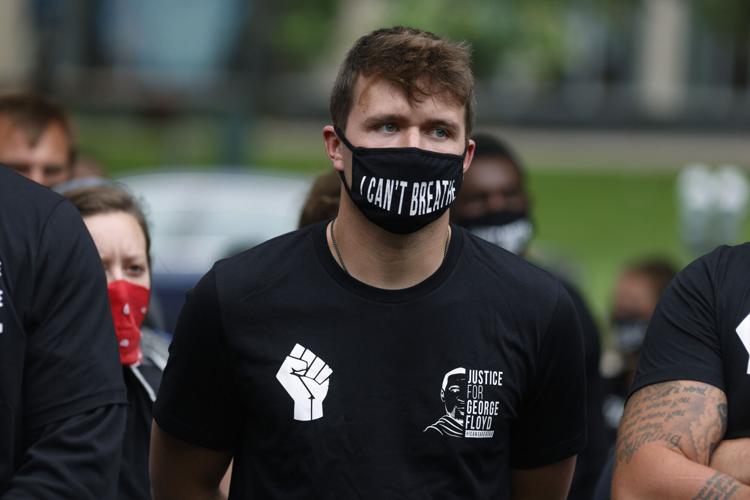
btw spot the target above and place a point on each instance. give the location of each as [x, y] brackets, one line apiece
[118, 228]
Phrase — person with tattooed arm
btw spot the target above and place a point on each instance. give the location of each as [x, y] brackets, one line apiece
[686, 428]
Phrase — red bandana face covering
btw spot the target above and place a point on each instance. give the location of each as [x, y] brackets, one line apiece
[129, 303]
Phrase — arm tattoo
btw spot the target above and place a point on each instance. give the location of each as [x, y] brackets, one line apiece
[689, 417]
[718, 487]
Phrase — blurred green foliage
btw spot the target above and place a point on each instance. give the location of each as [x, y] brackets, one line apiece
[535, 31]
[725, 18]
[300, 32]
[532, 30]
[491, 28]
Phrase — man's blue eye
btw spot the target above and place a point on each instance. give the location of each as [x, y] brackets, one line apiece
[389, 127]
[441, 132]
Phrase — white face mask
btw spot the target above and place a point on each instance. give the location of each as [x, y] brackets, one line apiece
[512, 231]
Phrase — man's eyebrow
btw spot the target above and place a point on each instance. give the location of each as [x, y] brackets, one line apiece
[440, 123]
[384, 118]
[399, 118]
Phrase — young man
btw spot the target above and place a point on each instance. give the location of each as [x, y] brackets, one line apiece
[686, 428]
[36, 139]
[315, 360]
[62, 397]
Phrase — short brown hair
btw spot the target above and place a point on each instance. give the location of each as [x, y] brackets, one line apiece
[419, 62]
[105, 199]
[33, 114]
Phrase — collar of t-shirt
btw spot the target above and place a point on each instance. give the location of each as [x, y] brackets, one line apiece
[382, 295]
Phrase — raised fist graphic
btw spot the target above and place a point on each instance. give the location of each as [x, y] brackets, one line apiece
[305, 377]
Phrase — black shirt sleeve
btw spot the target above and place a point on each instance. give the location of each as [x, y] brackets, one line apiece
[196, 402]
[551, 425]
[77, 457]
[72, 363]
[682, 341]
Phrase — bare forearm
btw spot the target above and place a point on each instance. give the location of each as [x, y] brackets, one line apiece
[665, 443]
[187, 492]
[226, 481]
[181, 471]
[660, 473]
[732, 457]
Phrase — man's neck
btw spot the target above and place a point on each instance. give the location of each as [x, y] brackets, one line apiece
[382, 259]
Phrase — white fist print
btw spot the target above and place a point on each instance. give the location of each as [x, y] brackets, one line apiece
[305, 377]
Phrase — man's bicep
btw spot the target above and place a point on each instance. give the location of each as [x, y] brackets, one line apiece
[543, 483]
[684, 416]
[182, 470]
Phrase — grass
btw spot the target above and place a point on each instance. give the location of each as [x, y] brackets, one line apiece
[593, 222]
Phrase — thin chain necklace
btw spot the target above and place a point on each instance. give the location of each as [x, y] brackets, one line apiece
[341, 260]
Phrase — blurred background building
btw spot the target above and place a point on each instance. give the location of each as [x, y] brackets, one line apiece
[575, 62]
[604, 99]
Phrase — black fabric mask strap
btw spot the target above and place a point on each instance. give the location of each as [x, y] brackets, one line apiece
[342, 138]
[343, 179]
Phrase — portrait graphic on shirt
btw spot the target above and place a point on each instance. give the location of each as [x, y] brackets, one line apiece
[453, 396]
[470, 411]
[305, 378]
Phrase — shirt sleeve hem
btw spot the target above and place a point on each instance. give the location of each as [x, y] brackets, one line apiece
[81, 405]
[557, 453]
[670, 375]
[185, 432]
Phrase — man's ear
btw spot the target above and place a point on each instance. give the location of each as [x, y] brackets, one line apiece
[334, 147]
[471, 146]
[442, 395]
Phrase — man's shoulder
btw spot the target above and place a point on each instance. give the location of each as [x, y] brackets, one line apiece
[38, 222]
[267, 262]
[722, 270]
[728, 268]
[728, 258]
[508, 269]
[24, 200]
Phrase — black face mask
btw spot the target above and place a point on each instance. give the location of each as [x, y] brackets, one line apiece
[511, 230]
[629, 333]
[402, 189]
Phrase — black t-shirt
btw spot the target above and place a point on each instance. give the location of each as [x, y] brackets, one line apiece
[701, 331]
[58, 354]
[589, 462]
[142, 383]
[325, 387]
